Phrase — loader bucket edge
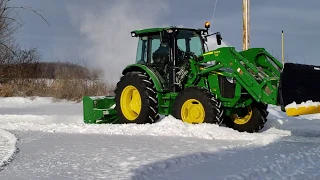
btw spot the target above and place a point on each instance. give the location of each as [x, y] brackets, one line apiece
[302, 110]
[299, 89]
[99, 110]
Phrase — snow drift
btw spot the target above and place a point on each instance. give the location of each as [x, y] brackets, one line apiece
[41, 117]
[42, 114]
[7, 147]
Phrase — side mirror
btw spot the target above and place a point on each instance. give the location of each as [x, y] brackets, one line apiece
[219, 38]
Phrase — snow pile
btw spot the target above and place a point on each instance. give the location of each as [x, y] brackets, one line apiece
[41, 114]
[58, 129]
[169, 126]
[7, 147]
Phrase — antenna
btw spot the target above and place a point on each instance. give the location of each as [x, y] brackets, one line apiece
[214, 10]
[282, 45]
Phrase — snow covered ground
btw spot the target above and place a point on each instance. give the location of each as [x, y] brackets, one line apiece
[54, 143]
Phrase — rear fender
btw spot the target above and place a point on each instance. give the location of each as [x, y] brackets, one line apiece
[142, 68]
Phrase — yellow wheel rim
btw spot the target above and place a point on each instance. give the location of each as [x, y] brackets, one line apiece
[192, 111]
[242, 120]
[130, 102]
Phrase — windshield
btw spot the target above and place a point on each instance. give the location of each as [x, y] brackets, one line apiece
[211, 44]
[190, 41]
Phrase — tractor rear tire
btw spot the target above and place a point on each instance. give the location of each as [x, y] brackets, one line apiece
[195, 106]
[136, 99]
[254, 121]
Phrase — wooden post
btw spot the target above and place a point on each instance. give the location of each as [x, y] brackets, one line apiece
[246, 24]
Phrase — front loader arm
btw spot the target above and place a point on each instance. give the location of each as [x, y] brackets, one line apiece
[263, 59]
[257, 83]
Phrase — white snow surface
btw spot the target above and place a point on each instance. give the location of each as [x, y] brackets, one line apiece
[54, 143]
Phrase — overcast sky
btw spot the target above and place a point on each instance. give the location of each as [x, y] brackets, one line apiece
[98, 31]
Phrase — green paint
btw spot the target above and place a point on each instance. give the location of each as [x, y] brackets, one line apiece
[99, 110]
[142, 32]
[142, 68]
[261, 58]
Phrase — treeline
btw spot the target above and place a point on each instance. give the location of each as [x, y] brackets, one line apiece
[24, 73]
[47, 70]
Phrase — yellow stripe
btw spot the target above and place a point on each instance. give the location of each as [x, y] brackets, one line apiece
[217, 72]
[208, 53]
[302, 110]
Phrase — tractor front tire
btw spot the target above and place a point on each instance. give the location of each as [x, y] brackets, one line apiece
[252, 122]
[195, 106]
[136, 99]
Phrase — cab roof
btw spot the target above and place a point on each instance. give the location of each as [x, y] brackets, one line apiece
[140, 32]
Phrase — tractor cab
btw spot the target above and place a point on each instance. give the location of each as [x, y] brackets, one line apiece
[167, 50]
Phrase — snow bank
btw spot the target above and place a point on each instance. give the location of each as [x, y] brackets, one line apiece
[42, 114]
[168, 126]
[21, 102]
[7, 146]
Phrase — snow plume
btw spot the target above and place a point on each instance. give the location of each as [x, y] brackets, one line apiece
[109, 44]
[212, 43]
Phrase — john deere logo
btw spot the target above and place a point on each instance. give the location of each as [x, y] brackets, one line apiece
[216, 53]
[208, 53]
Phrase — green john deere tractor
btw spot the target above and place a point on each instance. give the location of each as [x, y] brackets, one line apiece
[175, 74]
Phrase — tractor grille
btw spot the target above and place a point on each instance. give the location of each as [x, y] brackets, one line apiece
[227, 88]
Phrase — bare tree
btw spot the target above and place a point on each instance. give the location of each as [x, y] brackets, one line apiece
[13, 59]
[10, 21]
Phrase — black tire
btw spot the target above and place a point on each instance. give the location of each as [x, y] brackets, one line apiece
[264, 109]
[149, 102]
[212, 107]
[254, 124]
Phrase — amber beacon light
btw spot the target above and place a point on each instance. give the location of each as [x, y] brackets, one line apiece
[207, 25]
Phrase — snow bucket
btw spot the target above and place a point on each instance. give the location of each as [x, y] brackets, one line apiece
[99, 109]
[300, 89]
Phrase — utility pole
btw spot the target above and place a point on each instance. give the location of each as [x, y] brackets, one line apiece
[246, 23]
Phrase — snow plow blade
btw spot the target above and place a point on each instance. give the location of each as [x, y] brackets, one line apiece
[299, 89]
[302, 109]
[99, 110]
